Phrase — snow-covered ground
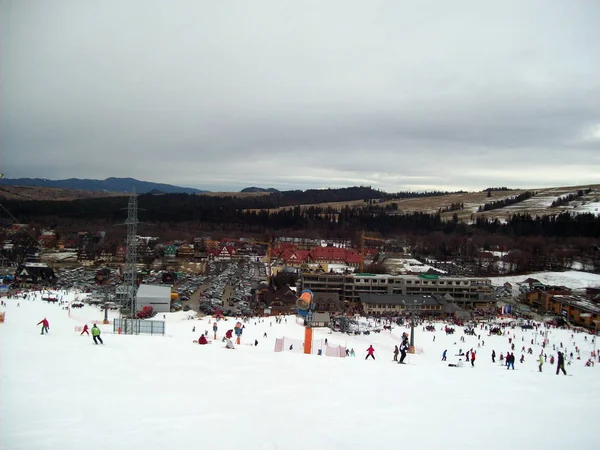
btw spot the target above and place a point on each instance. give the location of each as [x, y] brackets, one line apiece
[588, 207]
[572, 279]
[409, 265]
[60, 391]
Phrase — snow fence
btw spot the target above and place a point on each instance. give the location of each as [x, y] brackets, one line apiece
[319, 347]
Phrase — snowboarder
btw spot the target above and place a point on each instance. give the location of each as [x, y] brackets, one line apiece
[560, 363]
[255, 342]
[370, 352]
[444, 355]
[202, 340]
[493, 356]
[85, 330]
[96, 335]
[45, 325]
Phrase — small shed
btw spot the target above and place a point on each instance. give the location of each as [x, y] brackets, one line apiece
[159, 297]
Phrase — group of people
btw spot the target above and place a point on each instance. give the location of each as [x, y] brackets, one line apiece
[86, 330]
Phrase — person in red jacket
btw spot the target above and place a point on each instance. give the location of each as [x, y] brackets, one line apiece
[370, 352]
[472, 358]
[85, 330]
[45, 325]
[202, 340]
[229, 334]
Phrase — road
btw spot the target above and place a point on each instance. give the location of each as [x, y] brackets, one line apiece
[194, 301]
[227, 293]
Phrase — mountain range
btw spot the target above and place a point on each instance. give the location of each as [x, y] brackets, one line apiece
[259, 189]
[111, 184]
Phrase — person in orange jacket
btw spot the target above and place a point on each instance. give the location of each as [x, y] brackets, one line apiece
[85, 330]
[45, 325]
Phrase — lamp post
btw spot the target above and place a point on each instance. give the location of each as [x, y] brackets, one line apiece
[412, 326]
[596, 322]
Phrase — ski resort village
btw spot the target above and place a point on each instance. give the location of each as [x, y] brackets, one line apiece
[291, 344]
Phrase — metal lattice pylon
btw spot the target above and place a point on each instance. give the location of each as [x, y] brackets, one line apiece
[130, 275]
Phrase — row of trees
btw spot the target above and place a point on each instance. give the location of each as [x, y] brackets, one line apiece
[562, 201]
[506, 202]
[453, 207]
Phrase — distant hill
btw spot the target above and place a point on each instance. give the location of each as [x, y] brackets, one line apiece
[109, 185]
[259, 189]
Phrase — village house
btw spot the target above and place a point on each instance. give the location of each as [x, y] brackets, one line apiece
[34, 274]
[560, 301]
[281, 301]
[185, 251]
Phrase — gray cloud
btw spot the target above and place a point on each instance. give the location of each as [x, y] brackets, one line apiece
[222, 95]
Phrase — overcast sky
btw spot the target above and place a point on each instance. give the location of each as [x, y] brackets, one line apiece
[221, 95]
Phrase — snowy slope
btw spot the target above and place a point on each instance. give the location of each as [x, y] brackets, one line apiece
[572, 279]
[62, 392]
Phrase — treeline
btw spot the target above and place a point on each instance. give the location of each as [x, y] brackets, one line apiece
[453, 207]
[490, 189]
[230, 214]
[506, 202]
[318, 196]
[562, 201]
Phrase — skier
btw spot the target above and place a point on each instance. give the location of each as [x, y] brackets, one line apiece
[202, 340]
[493, 356]
[472, 359]
[560, 364]
[396, 351]
[96, 335]
[370, 352]
[85, 330]
[45, 325]
[541, 362]
[444, 355]
[403, 350]
[510, 361]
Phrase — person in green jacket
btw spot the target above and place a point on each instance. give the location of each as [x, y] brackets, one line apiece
[96, 334]
[541, 361]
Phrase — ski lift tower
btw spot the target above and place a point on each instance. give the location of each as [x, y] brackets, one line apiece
[130, 273]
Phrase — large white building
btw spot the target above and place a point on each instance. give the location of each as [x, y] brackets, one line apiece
[464, 290]
[159, 297]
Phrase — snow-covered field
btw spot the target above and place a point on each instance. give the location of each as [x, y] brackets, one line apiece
[60, 391]
[572, 279]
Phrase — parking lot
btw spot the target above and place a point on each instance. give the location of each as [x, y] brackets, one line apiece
[227, 286]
